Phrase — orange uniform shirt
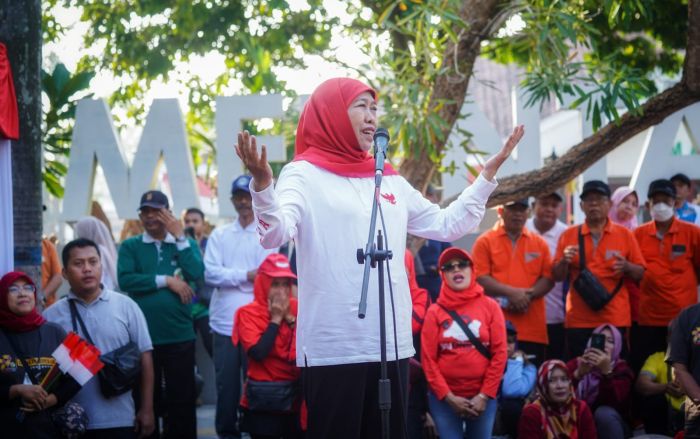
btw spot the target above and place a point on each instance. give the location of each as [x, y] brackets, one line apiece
[614, 240]
[517, 265]
[49, 267]
[670, 281]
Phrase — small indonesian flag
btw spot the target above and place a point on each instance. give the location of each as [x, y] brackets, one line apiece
[63, 351]
[86, 362]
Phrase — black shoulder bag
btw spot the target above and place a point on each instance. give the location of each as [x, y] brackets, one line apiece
[483, 350]
[587, 285]
[122, 365]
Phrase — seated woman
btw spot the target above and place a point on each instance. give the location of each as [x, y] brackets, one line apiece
[556, 413]
[266, 329]
[604, 381]
[463, 328]
[27, 339]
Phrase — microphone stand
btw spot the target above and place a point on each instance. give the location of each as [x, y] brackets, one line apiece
[374, 256]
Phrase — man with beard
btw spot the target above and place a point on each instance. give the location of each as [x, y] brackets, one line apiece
[158, 269]
[545, 222]
[231, 259]
[513, 264]
[611, 254]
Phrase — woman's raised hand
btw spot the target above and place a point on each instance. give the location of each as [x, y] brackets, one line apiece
[491, 166]
[247, 150]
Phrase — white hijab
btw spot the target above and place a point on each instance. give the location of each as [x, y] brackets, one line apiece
[95, 230]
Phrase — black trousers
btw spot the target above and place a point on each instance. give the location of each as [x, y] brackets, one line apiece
[557, 341]
[173, 365]
[343, 400]
[201, 326]
[111, 433]
[577, 338]
[646, 340]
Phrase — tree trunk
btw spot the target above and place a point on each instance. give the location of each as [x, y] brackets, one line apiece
[419, 170]
[458, 63]
[20, 30]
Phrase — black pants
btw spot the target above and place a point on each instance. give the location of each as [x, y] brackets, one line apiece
[509, 414]
[557, 341]
[173, 364]
[110, 433]
[646, 340]
[201, 326]
[535, 349]
[577, 338]
[343, 400]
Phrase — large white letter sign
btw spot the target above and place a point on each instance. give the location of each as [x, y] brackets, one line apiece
[95, 140]
[230, 112]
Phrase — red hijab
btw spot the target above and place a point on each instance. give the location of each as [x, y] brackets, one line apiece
[8, 319]
[256, 314]
[450, 298]
[325, 136]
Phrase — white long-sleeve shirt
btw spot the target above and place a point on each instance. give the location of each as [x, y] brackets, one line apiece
[232, 251]
[328, 217]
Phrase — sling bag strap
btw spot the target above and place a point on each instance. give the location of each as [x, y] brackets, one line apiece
[483, 350]
[582, 261]
[75, 315]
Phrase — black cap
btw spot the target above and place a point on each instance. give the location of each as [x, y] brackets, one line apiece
[595, 186]
[241, 183]
[556, 195]
[662, 186]
[520, 202]
[155, 199]
[510, 328]
[682, 178]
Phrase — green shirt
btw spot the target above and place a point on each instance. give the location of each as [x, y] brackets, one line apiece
[169, 320]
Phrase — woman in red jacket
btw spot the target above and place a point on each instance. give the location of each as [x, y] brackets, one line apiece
[463, 375]
[556, 413]
[266, 330]
[604, 381]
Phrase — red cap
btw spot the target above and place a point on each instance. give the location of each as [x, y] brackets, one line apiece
[276, 265]
[454, 253]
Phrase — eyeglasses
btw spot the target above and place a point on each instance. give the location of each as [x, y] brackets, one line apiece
[26, 288]
[461, 265]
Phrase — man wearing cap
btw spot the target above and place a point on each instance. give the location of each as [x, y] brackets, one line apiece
[671, 249]
[545, 222]
[231, 259]
[611, 253]
[514, 265]
[157, 270]
[685, 210]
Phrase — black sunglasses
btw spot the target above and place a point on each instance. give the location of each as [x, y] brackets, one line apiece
[461, 265]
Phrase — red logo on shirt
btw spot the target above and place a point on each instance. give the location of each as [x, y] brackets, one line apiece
[390, 198]
[263, 224]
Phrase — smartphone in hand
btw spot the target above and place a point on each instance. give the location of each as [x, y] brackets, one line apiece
[598, 341]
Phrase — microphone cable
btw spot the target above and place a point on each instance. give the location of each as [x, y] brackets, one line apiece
[402, 409]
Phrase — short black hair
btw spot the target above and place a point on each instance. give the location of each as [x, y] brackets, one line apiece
[195, 210]
[78, 243]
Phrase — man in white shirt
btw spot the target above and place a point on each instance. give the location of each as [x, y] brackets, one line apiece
[231, 260]
[545, 222]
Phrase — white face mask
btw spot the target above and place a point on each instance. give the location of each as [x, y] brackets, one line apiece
[661, 212]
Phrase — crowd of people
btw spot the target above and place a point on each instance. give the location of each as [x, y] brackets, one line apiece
[542, 330]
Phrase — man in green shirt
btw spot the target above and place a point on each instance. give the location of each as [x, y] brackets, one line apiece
[157, 269]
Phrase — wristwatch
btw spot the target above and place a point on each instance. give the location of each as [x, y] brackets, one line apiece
[483, 396]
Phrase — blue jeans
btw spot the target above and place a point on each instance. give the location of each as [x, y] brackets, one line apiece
[451, 426]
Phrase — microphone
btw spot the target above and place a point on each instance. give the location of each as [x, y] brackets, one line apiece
[381, 142]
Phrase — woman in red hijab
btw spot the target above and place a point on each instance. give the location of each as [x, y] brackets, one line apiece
[556, 413]
[266, 329]
[463, 367]
[323, 201]
[27, 339]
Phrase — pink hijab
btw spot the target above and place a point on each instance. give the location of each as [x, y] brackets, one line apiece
[617, 197]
